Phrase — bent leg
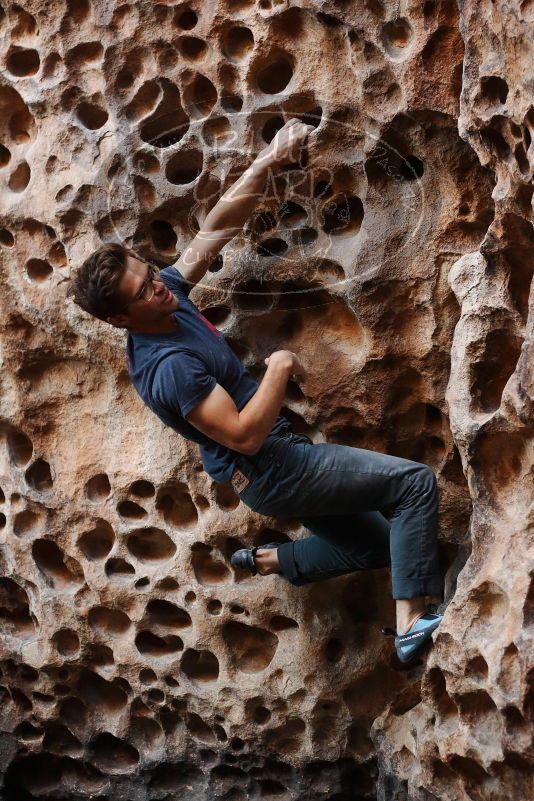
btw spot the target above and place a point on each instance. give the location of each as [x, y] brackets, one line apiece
[339, 544]
[328, 480]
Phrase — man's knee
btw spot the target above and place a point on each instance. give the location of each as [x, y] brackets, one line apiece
[426, 478]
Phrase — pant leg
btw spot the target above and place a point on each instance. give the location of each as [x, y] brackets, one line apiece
[339, 544]
[303, 480]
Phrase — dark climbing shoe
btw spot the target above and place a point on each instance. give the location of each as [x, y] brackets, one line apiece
[409, 645]
[245, 558]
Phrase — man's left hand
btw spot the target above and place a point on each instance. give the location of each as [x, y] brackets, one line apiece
[285, 147]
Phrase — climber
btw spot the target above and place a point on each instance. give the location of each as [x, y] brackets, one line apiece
[186, 373]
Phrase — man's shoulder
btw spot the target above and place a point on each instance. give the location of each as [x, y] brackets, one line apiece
[175, 281]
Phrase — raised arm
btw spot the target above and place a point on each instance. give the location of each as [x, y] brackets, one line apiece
[227, 217]
[244, 431]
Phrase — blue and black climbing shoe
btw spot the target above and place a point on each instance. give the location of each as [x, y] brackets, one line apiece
[409, 645]
[245, 558]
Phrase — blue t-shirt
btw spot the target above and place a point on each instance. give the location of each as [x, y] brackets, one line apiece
[173, 372]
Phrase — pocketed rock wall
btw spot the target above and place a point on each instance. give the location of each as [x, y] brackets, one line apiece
[396, 258]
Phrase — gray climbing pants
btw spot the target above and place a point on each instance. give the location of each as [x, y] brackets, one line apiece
[342, 496]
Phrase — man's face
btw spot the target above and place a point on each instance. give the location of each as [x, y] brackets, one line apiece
[133, 289]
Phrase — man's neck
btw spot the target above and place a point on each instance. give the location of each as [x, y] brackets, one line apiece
[168, 325]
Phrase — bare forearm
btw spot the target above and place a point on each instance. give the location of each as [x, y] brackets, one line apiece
[234, 208]
[256, 418]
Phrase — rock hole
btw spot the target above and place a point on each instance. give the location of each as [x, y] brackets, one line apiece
[200, 96]
[216, 131]
[50, 560]
[91, 115]
[439, 697]
[168, 124]
[342, 216]
[112, 755]
[291, 214]
[334, 650]
[141, 583]
[20, 177]
[19, 447]
[94, 690]
[168, 584]
[274, 246]
[184, 167]
[253, 295]
[190, 597]
[177, 507]
[131, 510]
[38, 476]
[150, 644]
[191, 47]
[411, 168]
[143, 489]
[119, 568]
[15, 617]
[282, 623]
[163, 236]
[225, 497]
[159, 612]
[199, 728]
[238, 42]
[98, 487]
[274, 77]
[38, 270]
[494, 89]
[201, 667]
[214, 607]
[252, 648]
[217, 314]
[396, 36]
[156, 696]
[261, 715]
[208, 570]
[271, 128]
[143, 101]
[22, 62]
[60, 741]
[477, 667]
[185, 19]
[231, 102]
[106, 621]
[6, 238]
[497, 364]
[83, 54]
[150, 545]
[66, 642]
[98, 542]
[147, 676]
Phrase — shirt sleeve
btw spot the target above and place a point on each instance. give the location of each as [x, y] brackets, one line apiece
[182, 381]
[174, 280]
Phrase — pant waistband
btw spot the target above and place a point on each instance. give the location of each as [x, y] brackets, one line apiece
[245, 465]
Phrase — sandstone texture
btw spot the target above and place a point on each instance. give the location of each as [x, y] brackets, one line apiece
[396, 259]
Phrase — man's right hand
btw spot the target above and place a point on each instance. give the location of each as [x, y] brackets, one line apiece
[287, 357]
[244, 431]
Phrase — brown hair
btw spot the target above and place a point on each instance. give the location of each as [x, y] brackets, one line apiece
[94, 285]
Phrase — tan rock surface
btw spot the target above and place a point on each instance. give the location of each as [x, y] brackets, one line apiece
[135, 664]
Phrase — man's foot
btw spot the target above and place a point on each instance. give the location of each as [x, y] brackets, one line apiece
[245, 558]
[409, 644]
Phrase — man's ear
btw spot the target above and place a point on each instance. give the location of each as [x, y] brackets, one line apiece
[118, 320]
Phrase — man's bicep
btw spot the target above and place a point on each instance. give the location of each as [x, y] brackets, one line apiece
[217, 416]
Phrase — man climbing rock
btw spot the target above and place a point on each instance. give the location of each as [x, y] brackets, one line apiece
[186, 373]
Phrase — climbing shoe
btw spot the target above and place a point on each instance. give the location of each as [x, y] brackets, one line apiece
[409, 645]
[245, 558]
